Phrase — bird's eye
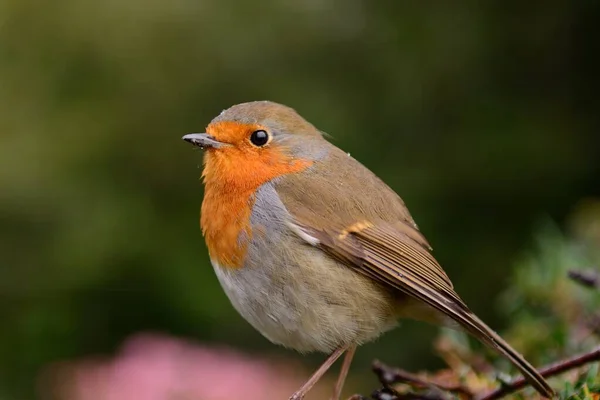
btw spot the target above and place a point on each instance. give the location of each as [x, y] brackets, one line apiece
[259, 138]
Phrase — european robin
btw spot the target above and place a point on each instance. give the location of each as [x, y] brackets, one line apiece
[313, 249]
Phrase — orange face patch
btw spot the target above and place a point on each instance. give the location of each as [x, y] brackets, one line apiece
[232, 132]
[232, 174]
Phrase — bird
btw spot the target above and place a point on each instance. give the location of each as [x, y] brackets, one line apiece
[313, 249]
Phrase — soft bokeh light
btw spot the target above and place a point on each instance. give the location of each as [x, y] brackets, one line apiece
[483, 117]
[156, 367]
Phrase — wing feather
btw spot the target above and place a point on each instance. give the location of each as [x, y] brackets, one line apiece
[378, 251]
[386, 246]
[387, 255]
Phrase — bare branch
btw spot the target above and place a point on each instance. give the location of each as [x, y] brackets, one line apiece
[388, 376]
[588, 278]
[548, 371]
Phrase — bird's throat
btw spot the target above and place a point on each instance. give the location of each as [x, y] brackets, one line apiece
[225, 222]
[229, 196]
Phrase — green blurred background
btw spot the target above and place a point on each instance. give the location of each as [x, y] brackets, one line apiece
[483, 116]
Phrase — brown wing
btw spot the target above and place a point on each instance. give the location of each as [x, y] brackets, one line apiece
[342, 208]
[384, 253]
[387, 254]
[331, 199]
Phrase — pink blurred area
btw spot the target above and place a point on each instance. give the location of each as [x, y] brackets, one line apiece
[158, 367]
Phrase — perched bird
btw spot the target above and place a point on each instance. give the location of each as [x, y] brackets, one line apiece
[313, 249]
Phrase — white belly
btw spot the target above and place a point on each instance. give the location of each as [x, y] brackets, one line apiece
[309, 307]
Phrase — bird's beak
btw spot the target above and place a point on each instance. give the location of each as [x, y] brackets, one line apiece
[203, 140]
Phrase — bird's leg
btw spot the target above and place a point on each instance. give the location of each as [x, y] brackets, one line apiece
[337, 391]
[299, 395]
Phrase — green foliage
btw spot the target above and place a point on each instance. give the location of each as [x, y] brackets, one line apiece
[552, 318]
[546, 309]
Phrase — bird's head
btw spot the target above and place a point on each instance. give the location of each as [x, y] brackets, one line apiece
[251, 143]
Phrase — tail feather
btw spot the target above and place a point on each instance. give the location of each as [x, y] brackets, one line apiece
[479, 329]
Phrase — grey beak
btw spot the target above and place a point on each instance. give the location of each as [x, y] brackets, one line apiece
[203, 140]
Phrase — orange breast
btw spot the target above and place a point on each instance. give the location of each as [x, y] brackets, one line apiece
[225, 215]
[231, 179]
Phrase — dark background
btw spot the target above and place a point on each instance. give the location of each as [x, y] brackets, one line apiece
[483, 116]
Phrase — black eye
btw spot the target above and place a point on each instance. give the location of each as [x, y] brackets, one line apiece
[259, 138]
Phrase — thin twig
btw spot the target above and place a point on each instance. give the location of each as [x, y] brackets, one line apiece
[384, 394]
[548, 371]
[588, 278]
[389, 376]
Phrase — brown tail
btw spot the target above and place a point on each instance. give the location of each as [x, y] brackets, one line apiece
[479, 329]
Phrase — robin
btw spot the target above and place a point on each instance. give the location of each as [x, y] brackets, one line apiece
[312, 248]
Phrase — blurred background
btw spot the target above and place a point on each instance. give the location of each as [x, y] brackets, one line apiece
[483, 117]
